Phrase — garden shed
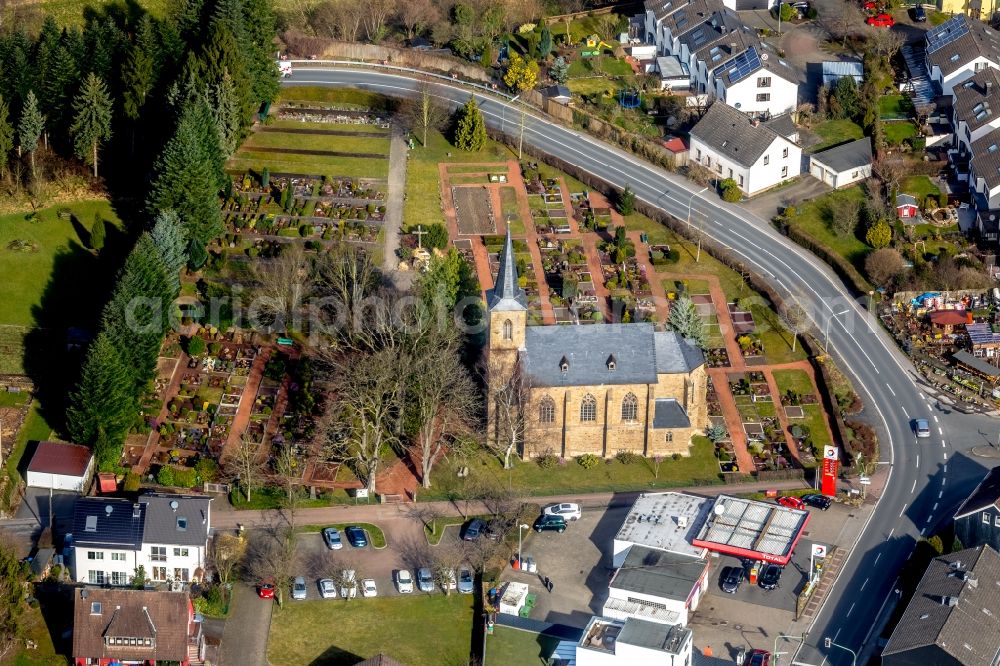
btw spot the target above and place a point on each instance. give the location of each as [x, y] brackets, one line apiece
[906, 207]
[61, 466]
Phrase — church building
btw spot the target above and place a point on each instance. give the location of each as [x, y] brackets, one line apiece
[598, 388]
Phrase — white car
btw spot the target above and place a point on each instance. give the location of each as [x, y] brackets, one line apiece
[568, 510]
[348, 584]
[327, 588]
[299, 588]
[425, 580]
[368, 588]
[922, 428]
[331, 536]
[404, 581]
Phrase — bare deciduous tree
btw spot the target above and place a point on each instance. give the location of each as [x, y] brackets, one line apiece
[374, 16]
[844, 214]
[345, 280]
[884, 265]
[884, 43]
[338, 19]
[417, 15]
[507, 392]
[844, 23]
[445, 561]
[889, 172]
[270, 555]
[281, 286]
[243, 466]
[226, 553]
[287, 471]
[424, 113]
[794, 317]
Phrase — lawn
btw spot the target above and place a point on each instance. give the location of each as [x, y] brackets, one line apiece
[417, 630]
[375, 533]
[341, 127]
[310, 165]
[921, 187]
[835, 132]
[591, 85]
[898, 132]
[343, 97]
[513, 646]
[527, 477]
[777, 340]
[343, 144]
[811, 217]
[795, 380]
[35, 429]
[893, 106]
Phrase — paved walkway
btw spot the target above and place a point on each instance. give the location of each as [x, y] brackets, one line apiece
[395, 198]
[242, 418]
[153, 441]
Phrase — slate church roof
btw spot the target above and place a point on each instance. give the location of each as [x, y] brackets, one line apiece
[507, 294]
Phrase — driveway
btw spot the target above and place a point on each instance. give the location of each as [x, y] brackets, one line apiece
[768, 204]
[244, 640]
[35, 506]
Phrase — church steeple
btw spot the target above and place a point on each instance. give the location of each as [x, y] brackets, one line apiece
[507, 294]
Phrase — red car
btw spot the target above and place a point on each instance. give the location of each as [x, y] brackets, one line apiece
[759, 658]
[265, 590]
[791, 502]
[880, 21]
[870, 6]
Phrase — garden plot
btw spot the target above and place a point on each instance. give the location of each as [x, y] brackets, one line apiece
[765, 439]
[475, 212]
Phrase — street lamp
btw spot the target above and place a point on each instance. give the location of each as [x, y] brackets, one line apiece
[828, 643]
[826, 347]
[503, 109]
[691, 201]
[870, 294]
[520, 527]
[801, 639]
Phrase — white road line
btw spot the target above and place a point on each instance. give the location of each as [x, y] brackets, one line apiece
[943, 479]
[945, 470]
[914, 486]
[836, 635]
[933, 508]
[902, 510]
[850, 610]
[863, 586]
[940, 494]
[890, 390]
[940, 431]
[918, 460]
[876, 558]
[922, 532]
[945, 454]
[890, 533]
[942, 444]
[905, 413]
[936, 419]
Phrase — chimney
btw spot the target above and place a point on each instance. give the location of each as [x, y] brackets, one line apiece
[135, 510]
[989, 87]
[949, 601]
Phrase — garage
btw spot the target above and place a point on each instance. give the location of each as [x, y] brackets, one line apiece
[843, 165]
[60, 466]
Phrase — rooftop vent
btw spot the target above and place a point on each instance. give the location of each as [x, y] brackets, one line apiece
[91, 525]
[682, 521]
[108, 509]
[182, 523]
[924, 616]
[564, 365]
[612, 362]
[136, 510]
[949, 601]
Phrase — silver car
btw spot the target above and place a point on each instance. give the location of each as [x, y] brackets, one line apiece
[327, 588]
[299, 588]
[922, 427]
[331, 535]
[425, 580]
[568, 510]
[465, 581]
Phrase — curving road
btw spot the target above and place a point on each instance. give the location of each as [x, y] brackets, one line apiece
[928, 477]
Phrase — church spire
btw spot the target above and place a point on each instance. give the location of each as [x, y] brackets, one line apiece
[507, 293]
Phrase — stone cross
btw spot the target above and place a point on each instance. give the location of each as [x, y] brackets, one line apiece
[419, 233]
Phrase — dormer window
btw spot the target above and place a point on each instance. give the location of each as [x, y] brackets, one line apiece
[564, 365]
[612, 363]
[95, 608]
[182, 523]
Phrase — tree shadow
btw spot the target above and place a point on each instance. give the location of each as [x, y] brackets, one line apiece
[81, 231]
[56, 603]
[335, 656]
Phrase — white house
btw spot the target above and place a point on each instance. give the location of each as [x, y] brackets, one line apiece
[959, 48]
[167, 535]
[657, 586]
[608, 642]
[843, 165]
[975, 109]
[61, 467]
[756, 82]
[731, 145]
[984, 171]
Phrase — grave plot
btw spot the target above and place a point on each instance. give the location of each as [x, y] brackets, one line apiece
[725, 452]
[765, 440]
[474, 210]
[572, 289]
[803, 409]
[511, 210]
[627, 280]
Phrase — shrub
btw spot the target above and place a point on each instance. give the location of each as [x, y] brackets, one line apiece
[626, 457]
[930, 202]
[676, 457]
[165, 477]
[265, 177]
[547, 460]
[207, 469]
[943, 199]
[195, 346]
[879, 235]
[185, 478]
[716, 433]
[790, 212]
[730, 191]
[588, 460]
[305, 230]
[132, 482]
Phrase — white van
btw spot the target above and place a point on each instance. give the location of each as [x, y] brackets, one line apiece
[284, 68]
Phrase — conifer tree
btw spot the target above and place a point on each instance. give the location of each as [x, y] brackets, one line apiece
[56, 90]
[139, 72]
[228, 117]
[261, 68]
[98, 233]
[30, 128]
[168, 237]
[222, 56]
[470, 133]
[104, 400]
[92, 124]
[685, 319]
[6, 136]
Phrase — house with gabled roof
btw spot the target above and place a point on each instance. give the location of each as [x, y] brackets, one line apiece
[984, 171]
[599, 388]
[116, 626]
[752, 153]
[953, 617]
[977, 521]
[167, 535]
[756, 82]
[959, 48]
[843, 165]
[975, 108]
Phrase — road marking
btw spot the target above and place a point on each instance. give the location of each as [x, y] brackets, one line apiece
[914, 486]
[918, 461]
[936, 419]
[942, 444]
[836, 635]
[890, 389]
[933, 508]
[851, 609]
[862, 587]
[890, 533]
[876, 558]
[943, 480]
[940, 494]
[902, 510]
[945, 454]
[905, 413]
[922, 532]
[940, 431]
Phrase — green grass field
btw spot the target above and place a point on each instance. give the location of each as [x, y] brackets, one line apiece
[417, 630]
[898, 132]
[921, 187]
[812, 217]
[344, 144]
[312, 165]
[513, 646]
[796, 380]
[835, 132]
[341, 127]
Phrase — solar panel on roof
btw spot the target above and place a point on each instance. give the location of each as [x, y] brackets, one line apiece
[741, 66]
[946, 33]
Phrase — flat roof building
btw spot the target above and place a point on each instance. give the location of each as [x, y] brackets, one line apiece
[748, 528]
[665, 522]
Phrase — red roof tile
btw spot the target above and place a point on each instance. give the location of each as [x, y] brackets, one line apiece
[58, 458]
[950, 317]
[675, 144]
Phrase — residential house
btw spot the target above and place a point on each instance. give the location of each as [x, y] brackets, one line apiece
[977, 521]
[954, 615]
[834, 70]
[559, 93]
[112, 626]
[657, 586]
[167, 535]
[988, 225]
[843, 165]
[906, 206]
[608, 642]
[958, 49]
[984, 171]
[975, 109]
[755, 82]
[61, 466]
[732, 145]
[984, 343]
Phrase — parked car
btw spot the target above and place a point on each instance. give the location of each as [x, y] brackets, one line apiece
[568, 510]
[919, 15]
[473, 529]
[880, 21]
[265, 590]
[465, 581]
[770, 577]
[922, 428]
[791, 502]
[404, 581]
[348, 584]
[821, 502]
[299, 588]
[356, 536]
[368, 588]
[730, 579]
[327, 588]
[759, 658]
[550, 524]
[425, 580]
[331, 535]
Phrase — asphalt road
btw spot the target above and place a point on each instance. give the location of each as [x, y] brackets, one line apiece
[929, 477]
